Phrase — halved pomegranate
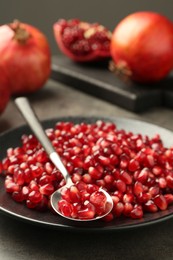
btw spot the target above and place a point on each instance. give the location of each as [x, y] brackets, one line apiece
[82, 41]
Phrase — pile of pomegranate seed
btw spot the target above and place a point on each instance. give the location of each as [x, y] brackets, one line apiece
[136, 170]
[83, 201]
[82, 38]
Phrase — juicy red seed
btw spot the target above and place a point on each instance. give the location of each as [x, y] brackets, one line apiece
[35, 196]
[155, 190]
[104, 160]
[87, 213]
[133, 165]
[128, 207]
[161, 202]
[150, 206]
[121, 186]
[65, 208]
[169, 180]
[169, 198]
[143, 175]
[132, 168]
[47, 189]
[126, 177]
[138, 188]
[74, 194]
[136, 213]
[94, 173]
[17, 196]
[118, 209]
[128, 198]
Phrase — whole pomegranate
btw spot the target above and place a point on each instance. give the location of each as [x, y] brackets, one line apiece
[82, 41]
[142, 46]
[4, 90]
[25, 53]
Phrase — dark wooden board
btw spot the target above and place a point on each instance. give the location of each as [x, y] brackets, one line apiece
[97, 80]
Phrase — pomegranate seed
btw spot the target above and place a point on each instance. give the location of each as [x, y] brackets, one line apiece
[94, 173]
[35, 196]
[150, 206]
[138, 188]
[126, 177]
[118, 209]
[169, 198]
[161, 202]
[47, 189]
[143, 175]
[87, 213]
[128, 207]
[133, 165]
[136, 170]
[121, 186]
[65, 208]
[136, 213]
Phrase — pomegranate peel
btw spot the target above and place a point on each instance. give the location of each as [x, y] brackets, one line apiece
[142, 47]
[26, 56]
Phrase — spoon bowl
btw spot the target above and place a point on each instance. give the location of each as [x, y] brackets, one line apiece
[32, 120]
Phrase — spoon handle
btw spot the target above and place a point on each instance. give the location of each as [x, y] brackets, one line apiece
[31, 118]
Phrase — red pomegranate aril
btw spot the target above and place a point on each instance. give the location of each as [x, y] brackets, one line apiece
[162, 183]
[144, 197]
[155, 190]
[94, 173]
[98, 199]
[47, 189]
[126, 177]
[128, 207]
[104, 160]
[136, 213]
[87, 213]
[124, 161]
[143, 175]
[87, 178]
[169, 198]
[121, 186]
[160, 202]
[108, 217]
[128, 198]
[25, 192]
[133, 165]
[65, 208]
[10, 187]
[74, 194]
[169, 180]
[35, 196]
[138, 188]
[150, 206]
[118, 209]
[17, 196]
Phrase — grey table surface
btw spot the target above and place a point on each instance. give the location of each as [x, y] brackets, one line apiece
[22, 241]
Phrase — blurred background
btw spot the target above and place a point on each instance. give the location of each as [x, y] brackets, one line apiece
[43, 14]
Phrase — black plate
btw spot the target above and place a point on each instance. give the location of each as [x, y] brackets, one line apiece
[47, 219]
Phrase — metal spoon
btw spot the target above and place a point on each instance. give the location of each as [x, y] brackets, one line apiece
[32, 120]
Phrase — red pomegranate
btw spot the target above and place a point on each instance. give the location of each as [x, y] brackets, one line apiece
[25, 54]
[82, 41]
[142, 46]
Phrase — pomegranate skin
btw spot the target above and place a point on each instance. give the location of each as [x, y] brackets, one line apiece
[84, 42]
[142, 46]
[26, 57]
